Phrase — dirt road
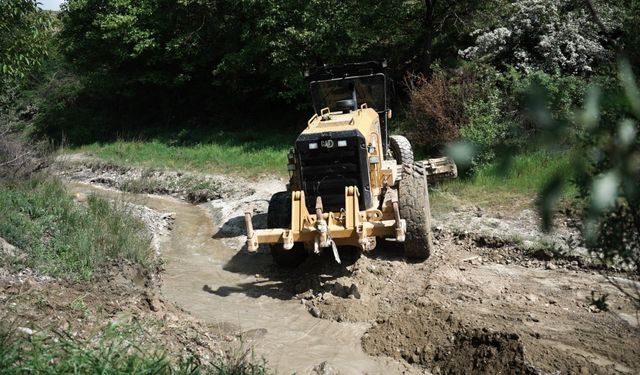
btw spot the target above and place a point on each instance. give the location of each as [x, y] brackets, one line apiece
[215, 284]
[476, 306]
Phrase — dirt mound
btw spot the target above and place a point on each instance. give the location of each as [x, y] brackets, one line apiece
[473, 308]
[480, 351]
[434, 338]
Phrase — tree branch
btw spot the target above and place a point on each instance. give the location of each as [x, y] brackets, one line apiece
[596, 18]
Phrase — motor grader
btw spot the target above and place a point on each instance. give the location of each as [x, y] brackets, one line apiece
[351, 184]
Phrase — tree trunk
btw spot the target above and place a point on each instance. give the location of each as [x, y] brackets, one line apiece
[427, 24]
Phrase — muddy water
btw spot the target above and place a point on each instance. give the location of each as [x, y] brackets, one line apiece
[208, 279]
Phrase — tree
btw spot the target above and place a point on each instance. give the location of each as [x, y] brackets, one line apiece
[24, 31]
[555, 36]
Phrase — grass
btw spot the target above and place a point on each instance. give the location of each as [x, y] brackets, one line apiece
[245, 153]
[60, 237]
[117, 349]
[516, 188]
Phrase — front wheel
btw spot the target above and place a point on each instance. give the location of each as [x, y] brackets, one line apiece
[413, 199]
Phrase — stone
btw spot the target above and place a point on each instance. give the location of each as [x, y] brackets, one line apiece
[315, 312]
[354, 292]
[324, 368]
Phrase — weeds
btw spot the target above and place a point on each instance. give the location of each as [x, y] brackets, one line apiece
[117, 349]
[248, 154]
[62, 238]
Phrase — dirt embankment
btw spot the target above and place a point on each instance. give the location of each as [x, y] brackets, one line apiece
[495, 297]
[479, 309]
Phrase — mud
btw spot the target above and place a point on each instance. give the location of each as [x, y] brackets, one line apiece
[120, 294]
[228, 289]
[483, 303]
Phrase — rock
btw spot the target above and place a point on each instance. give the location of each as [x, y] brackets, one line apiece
[7, 248]
[542, 254]
[80, 197]
[354, 292]
[25, 331]
[324, 369]
[154, 302]
[533, 318]
[551, 266]
[315, 312]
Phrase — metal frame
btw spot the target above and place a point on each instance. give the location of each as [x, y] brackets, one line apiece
[348, 227]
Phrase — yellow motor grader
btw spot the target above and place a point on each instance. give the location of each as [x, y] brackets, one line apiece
[351, 183]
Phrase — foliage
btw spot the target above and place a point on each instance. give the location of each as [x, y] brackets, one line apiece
[24, 33]
[561, 95]
[62, 238]
[604, 166]
[611, 177]
[117, 349]
[486, 127]
[554, 36]
[436, 109]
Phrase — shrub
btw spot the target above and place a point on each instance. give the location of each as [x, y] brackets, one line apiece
[485, 126]
[436, 111]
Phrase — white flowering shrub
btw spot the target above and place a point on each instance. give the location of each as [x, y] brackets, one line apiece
[552, 35]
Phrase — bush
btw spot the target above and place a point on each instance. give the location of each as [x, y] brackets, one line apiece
[466, 103]
[62, 238]
[561, 94]
[486, 127]
[19, 158]
[436, 111]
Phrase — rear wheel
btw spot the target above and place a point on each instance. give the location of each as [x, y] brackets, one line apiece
[279, 216]
[413, 199]
[401, 149]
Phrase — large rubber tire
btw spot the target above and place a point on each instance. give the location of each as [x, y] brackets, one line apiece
[413, 199]
[401, 149]
[279, 216]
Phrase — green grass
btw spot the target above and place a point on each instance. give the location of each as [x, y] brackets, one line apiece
[528, 172]
[113, 351]
[60, 237]
[247, 153]
[489, 186]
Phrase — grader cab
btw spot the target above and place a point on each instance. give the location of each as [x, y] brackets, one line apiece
[351, 183]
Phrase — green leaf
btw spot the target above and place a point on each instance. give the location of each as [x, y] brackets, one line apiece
[630, 87]
[591, 113]
[548, 198]
[604, 191]
[627, 134]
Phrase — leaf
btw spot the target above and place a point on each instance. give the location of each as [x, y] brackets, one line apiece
[627, 134]
[604, 191]
[628, 81]
[548, 198]
[462, 153]
[591, 113]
